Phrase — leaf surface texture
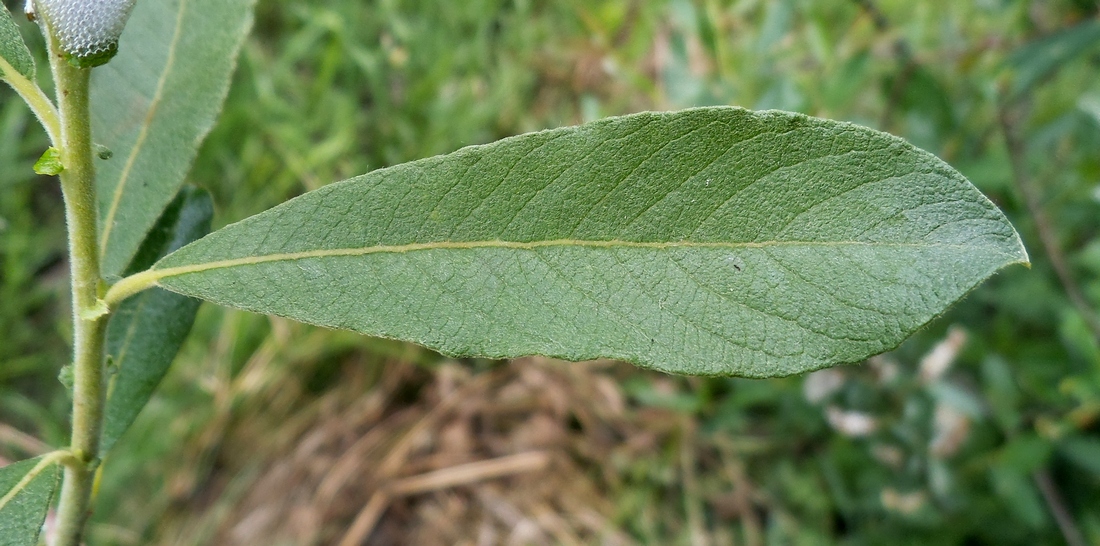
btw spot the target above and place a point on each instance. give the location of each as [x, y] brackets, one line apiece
[713, 241]
[23, 510]
[13, 50]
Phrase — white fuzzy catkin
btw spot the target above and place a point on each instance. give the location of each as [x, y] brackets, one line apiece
[86, 28]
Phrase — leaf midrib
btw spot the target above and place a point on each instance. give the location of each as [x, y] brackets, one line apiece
[158, 274]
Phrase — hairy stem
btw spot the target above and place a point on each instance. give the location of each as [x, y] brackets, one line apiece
[89, 314]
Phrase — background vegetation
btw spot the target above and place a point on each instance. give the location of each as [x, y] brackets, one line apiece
[983, 428]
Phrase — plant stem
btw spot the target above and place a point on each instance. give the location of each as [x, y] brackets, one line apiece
[89, 315]
[1070, 532]
[1017, 153]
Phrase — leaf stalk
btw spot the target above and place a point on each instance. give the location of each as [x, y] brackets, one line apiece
[129, 286]
[41, 105]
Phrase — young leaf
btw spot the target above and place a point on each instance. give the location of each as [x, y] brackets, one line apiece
[49, 164]
[153, 104]
[14, 54]
[148, 329]
[24, 500]
[706, 241]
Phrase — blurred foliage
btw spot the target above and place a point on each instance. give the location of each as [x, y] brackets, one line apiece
[1001, 446]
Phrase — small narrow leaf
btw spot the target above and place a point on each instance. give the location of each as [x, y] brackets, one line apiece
[153, 104]
[24, 500]
[148, 329]
[14, 54]
[1034, 62]
[706, 241]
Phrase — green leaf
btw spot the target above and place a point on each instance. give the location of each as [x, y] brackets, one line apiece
[50, 163]
[1017, 493]
[1034, 62]
[153, 104]
[148, 329]
[14, 54]
[24, 503]
[1084, 452]
[706, 241]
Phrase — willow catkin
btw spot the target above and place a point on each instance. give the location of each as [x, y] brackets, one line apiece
[87, 30]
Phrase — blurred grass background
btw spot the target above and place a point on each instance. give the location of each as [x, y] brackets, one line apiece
[982, 429]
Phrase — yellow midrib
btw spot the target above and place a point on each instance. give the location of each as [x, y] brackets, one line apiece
[141, 281]
[532, 245]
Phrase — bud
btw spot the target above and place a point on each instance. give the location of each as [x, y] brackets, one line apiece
[87, 31]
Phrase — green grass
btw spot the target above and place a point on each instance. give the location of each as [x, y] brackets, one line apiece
[327, 90]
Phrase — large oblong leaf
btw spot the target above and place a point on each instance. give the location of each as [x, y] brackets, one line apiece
[148, 329]
[706, 241]
[26, 489]
[153, 104]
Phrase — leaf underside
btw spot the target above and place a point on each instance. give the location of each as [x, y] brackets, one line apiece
[152, 106]
[22, 514]
[13, 50]
[147, 330]
[713, 241]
